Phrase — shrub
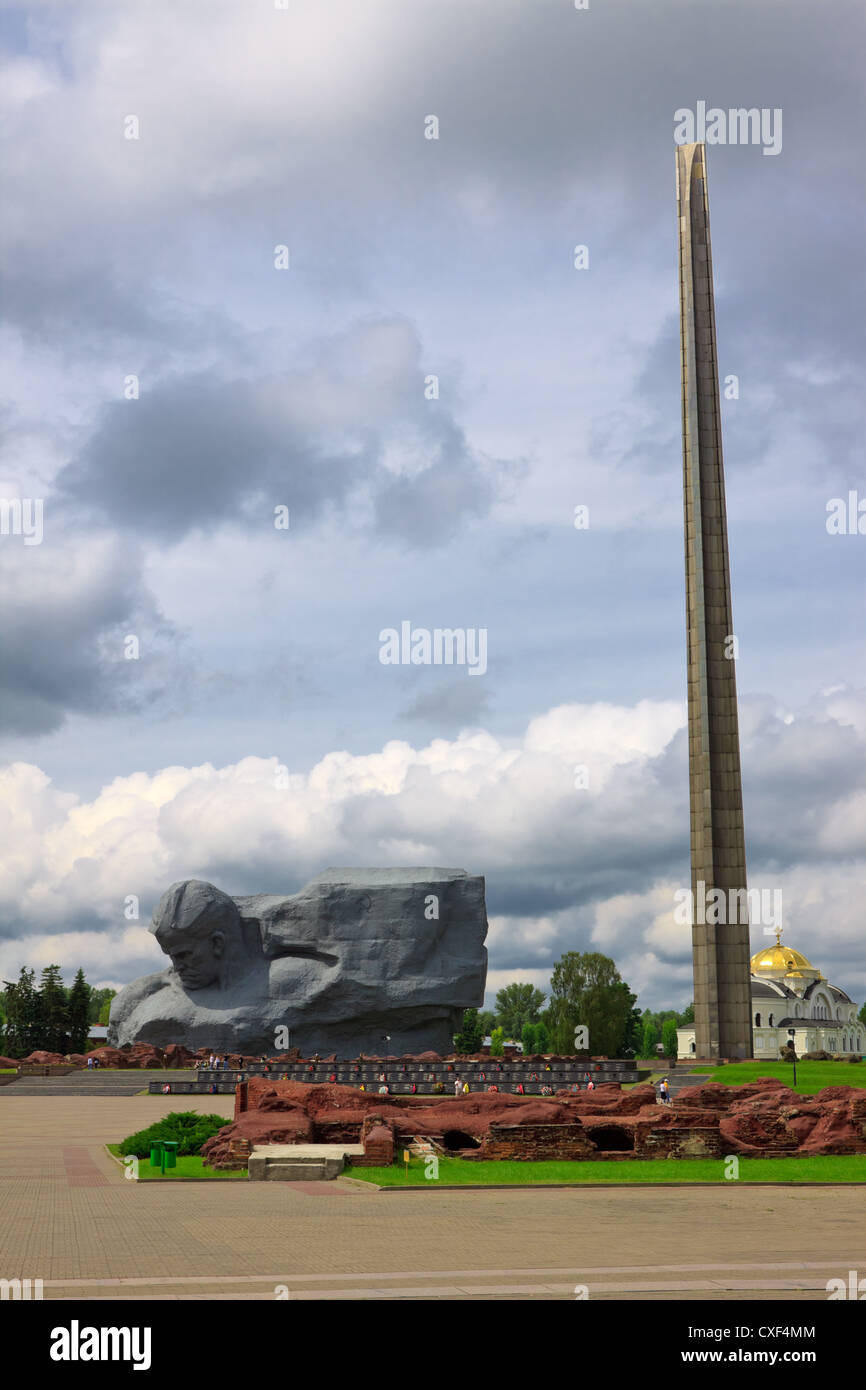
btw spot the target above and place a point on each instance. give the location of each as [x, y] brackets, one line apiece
[186, 1128]
[818, 1056]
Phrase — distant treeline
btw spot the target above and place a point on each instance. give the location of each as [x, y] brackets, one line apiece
[585, 989]
[48, 1016]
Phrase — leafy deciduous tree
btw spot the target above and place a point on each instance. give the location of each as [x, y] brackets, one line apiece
[650, 1038]
[517, 1004]
[586, 988]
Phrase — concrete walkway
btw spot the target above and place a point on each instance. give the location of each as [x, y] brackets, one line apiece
[70, 1217]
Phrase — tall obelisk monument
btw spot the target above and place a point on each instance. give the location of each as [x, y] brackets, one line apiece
[723, 1024]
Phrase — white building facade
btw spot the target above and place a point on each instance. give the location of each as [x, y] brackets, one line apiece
[789, 992]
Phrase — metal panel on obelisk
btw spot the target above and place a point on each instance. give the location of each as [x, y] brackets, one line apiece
[723, 1023]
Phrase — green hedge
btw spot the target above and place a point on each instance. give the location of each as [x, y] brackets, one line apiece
[187, 1128]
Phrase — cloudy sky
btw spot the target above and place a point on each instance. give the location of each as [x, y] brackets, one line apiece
[189, 690]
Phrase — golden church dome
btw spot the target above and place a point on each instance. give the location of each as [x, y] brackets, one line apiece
[779, 958]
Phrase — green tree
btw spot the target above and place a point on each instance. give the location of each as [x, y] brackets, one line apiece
[55, 1012]
[527, 1037]
[542, 1037]
[78, 1013]
[670, 1041]
[497, 1038]
[99, 999]
[586, 988]
[469, 1038]
[650, 1038]
[633, 1034]
[105, 1011]
[486, 1022]
[687, 1016]
[24, 1019]
[517, 1004]
[862, 1015]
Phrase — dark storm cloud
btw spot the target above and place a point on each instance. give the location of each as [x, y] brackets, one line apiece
[66, 608]
[196, 451]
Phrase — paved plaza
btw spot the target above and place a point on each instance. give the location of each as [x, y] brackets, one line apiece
[70, 1217]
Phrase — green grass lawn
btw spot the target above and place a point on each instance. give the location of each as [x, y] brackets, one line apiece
[811, 1076]
[822, 1168]
[190, 1167]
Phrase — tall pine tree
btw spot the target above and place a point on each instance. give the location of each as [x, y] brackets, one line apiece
[54, 1011]
[79, 1013]
[23, 1015]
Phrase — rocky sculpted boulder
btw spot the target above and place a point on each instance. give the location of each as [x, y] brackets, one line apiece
[375, 961]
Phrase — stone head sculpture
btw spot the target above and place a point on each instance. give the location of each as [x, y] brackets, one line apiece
[200, 928]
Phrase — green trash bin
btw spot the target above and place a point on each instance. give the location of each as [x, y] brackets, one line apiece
[156, 1154]
[169, 1148]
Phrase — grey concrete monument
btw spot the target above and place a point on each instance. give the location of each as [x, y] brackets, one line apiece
[381, 961]
[720, 950]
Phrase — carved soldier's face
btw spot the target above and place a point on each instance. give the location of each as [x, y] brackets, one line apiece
[196, 958]
[195, 923]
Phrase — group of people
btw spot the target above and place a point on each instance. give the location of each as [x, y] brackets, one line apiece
[212, 1063]
[93, 1064]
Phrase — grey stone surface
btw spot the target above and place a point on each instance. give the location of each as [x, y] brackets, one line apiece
[355, 955]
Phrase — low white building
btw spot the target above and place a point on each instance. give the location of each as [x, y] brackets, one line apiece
[788, 992]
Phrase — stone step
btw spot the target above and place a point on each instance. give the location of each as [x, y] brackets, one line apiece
[93, 1083]
[299, 1162]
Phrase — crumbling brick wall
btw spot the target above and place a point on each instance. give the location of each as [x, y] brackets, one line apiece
[533, 1142]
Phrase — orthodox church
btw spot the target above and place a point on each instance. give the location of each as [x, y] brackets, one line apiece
[789, 992]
